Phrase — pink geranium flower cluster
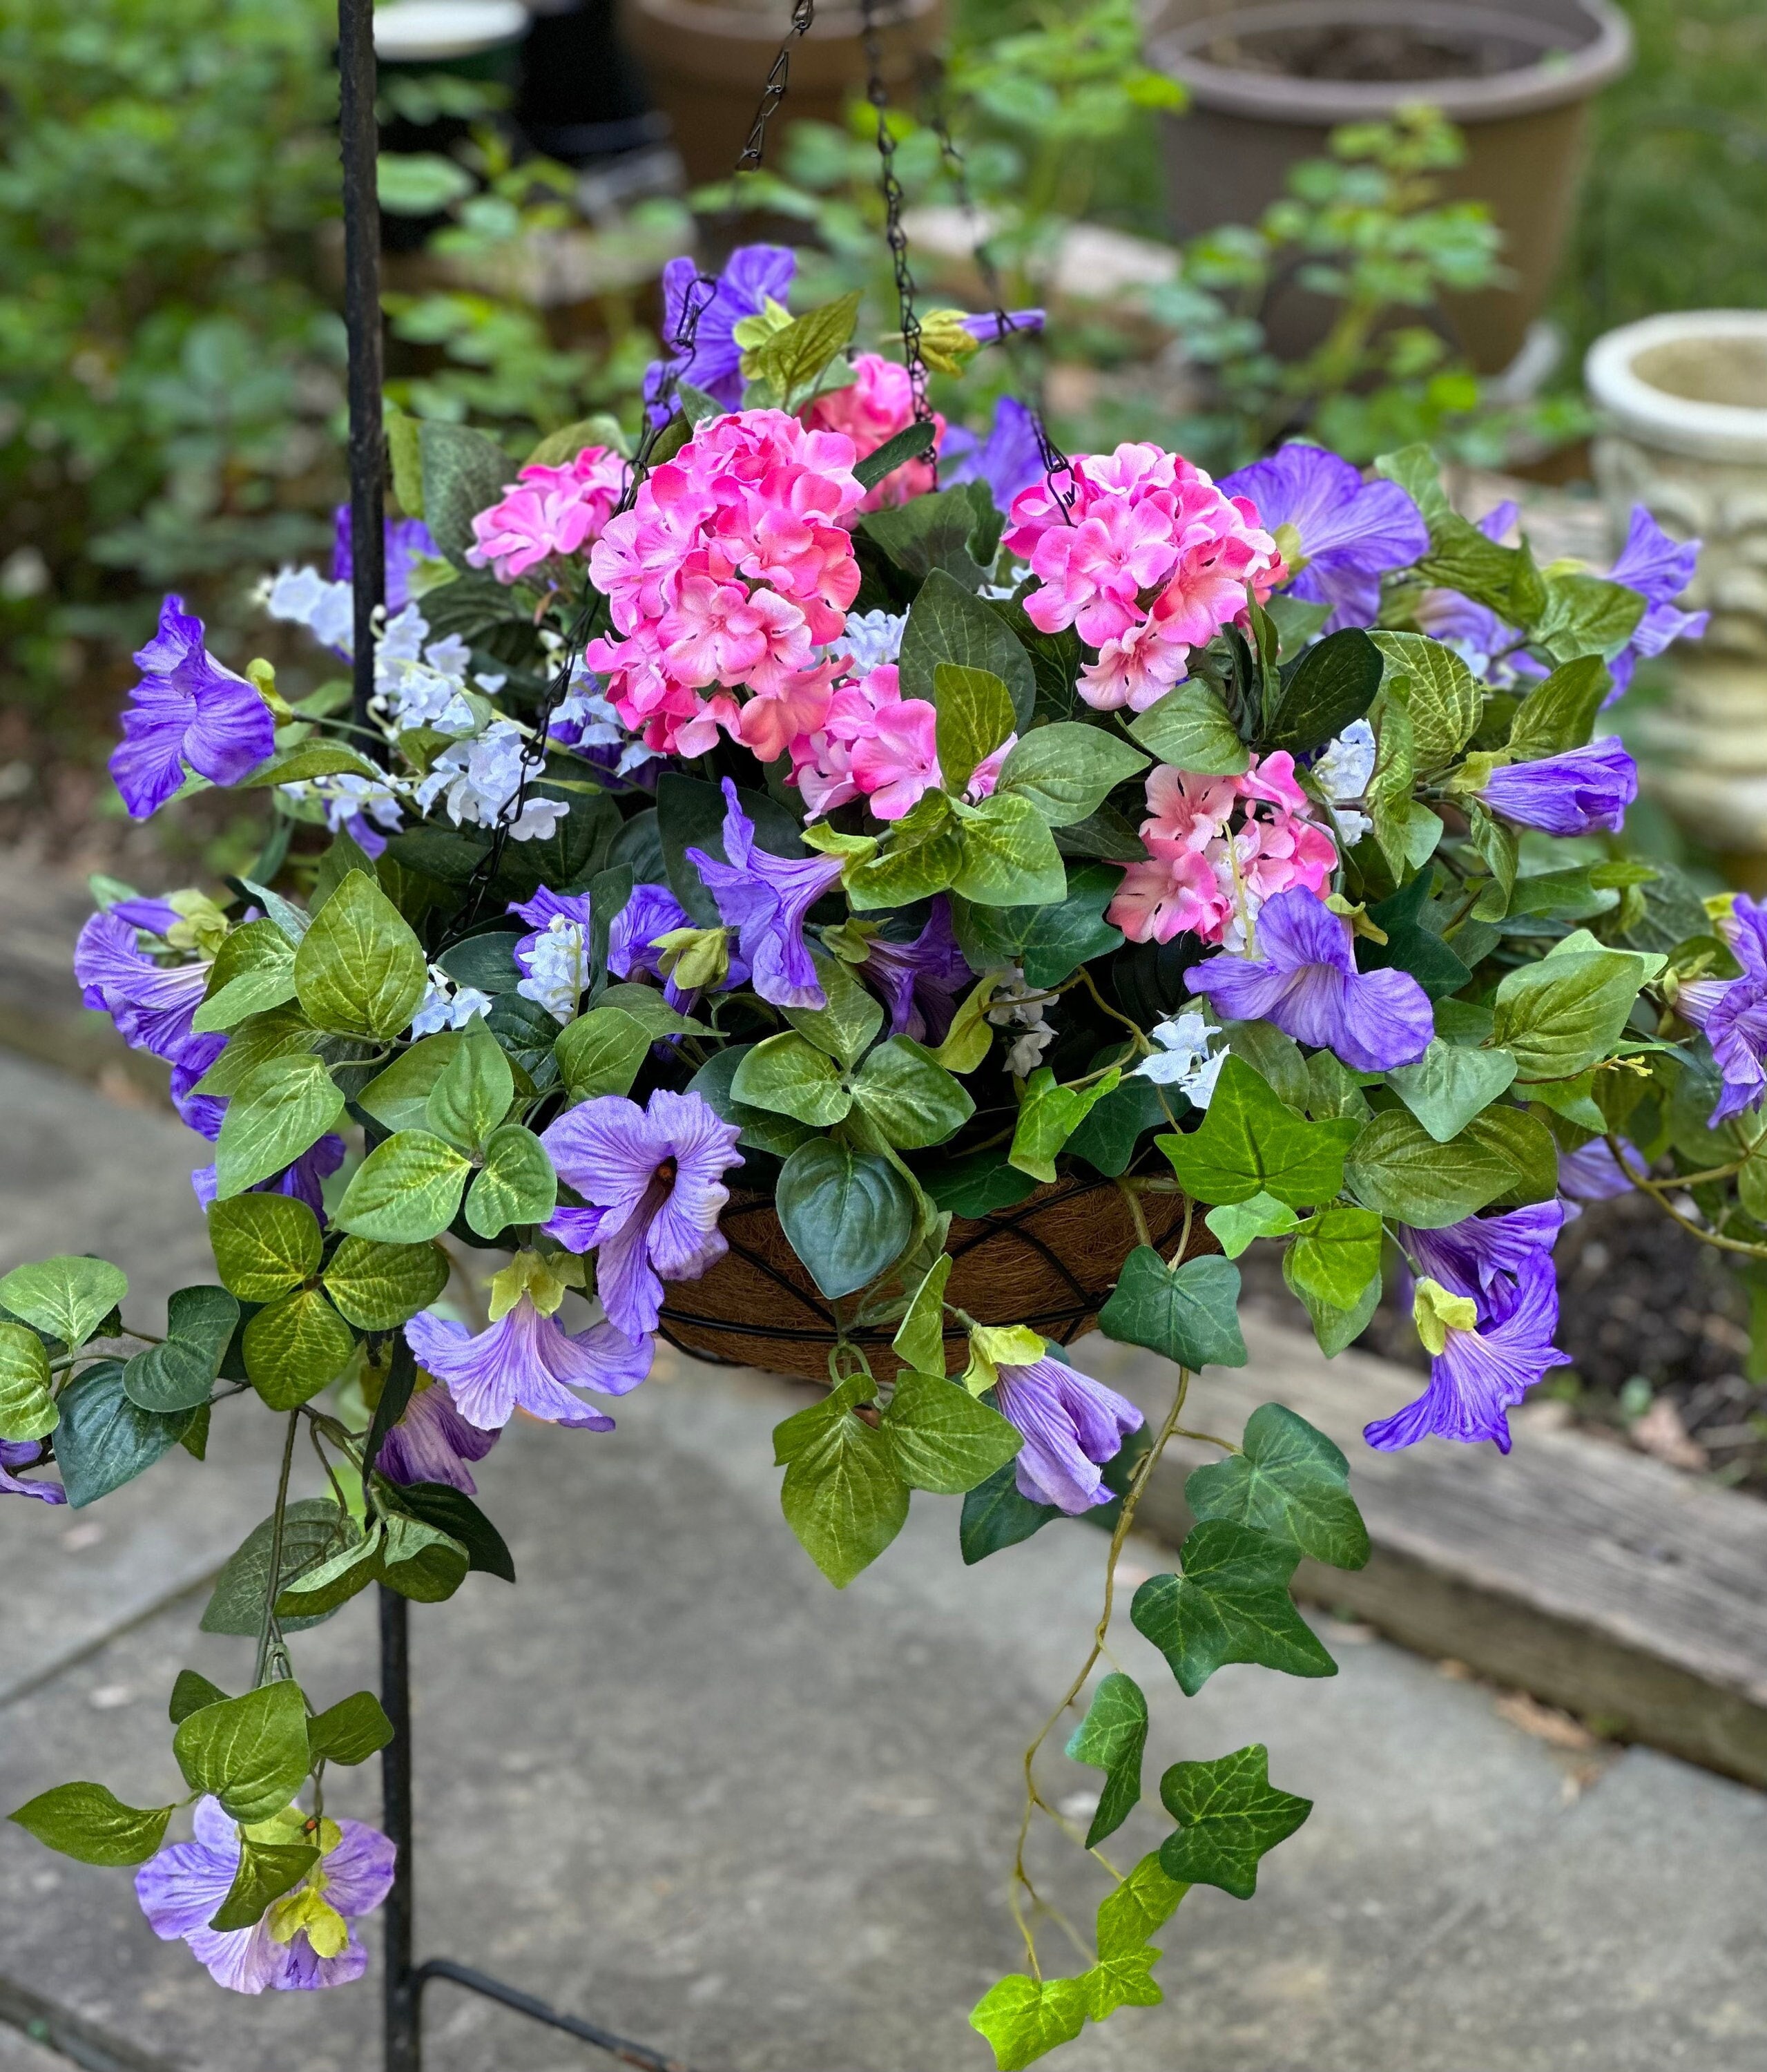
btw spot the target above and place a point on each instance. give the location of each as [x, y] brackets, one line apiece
[877, 745]
[874, 407]
[732, 567]
[548, 512]
[1203, 876]
[1151, 561]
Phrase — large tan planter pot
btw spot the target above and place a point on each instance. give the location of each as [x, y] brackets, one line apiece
[707, 65]
[1684, 401]
[1524, 115]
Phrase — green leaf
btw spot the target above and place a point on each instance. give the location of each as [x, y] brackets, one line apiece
[266, 1871]
[487, 963]
[66, 1298]
[405, 1191]
[922, 854]
[252, 973]
[103, 1440]
[1560, 714]
[1564, 1013]
[1450, 1084]
[794, 359]
[190, 1693]
[1444, 699]
[249, 1752]
[1008, 856]
[313, 1529]
[1051, 942]
[1111, 1737]
[1108, 1138]
[1048, 1115]
[910, 443]
[516, 1185]
[1586, 614]
[319, 1590]
[847, 1215]
[1189, 728]
[1398, 1169]
[1066, 770]
[472, 1094]
[399, 1097]
[1250, 1142]
[27, 1410]
[761, 1129]
[1290, 1482]
[454, 1512]
[295, 1346]
[264, 1244]
[360, 970]
[1124, 1980]
[842, 1496]
[1333, 682]
[1229, 1817]
[1409, 945]
[179, 1373]
[1139, 1908]
[600, 1052]
[1237, 1224]
[919, 1343]
[1276, 1058]
[1526, 1143]
[1334, 1328]
[93, 1825]
[1231, 1604]
[1336, 1256]
[279, 1110]
[975, 715]
[378, 1287]
[350, 1731]
[943, 1439]
[910, 1096]
[846, 1022]
[931, 535]
[996, 1514]
[464, 472]
[1188, 1313]
[421, 1561]
[948, 624]
[788, 1076]
[1024, 2019]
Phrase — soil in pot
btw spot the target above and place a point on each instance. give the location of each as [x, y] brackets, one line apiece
[1371, 52]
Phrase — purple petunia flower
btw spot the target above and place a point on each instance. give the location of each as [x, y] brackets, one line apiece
[181, 1888]
[997, 324]
[1072, 1425]
[766, 899]
[1351, 531]
[150, 1003]
[1483, 1253]
[653, 1179]
[187, 709]
[409, 542]
[1008, 460]
[1306, 982]
[920, 981]
[527, 1360]
[1732, 1013]
[25, 1454]
[1481, 1374]
[1592, 1173]
[432, 1442]
[752, 275]
[1571, 794]
[1659, 568]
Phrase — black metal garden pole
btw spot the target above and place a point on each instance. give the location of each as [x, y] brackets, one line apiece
[360, 140]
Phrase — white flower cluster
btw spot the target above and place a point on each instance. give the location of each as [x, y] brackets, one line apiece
[447, 1005]
[1342, 771]
[478, 780]
[557, 968]
[872, 637]
[1184, 1059]
[1014, 1004]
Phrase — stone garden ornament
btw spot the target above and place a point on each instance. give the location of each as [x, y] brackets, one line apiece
[852, 895]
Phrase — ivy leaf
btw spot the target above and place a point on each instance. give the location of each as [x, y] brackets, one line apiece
[104, 1440]
[1024, 2019]
[295, 1346]
[1125, 1980]
[266, 1871]
[1231, 1604]
[997, 1514]
[178, 1373]
[1190, 729]
[264, 1244]
[1128, 1917]
[1066, 770]
[1450, 1084]
[1337, 1255]
[27, 1410]
[844, 1494]
[1289, 1481]
[350, 1731]
[92, 1824]
[360, 971]
[1048, 1115]
[464, 472]
[66, 1298]
[378, 1287]
[1188, 1313]
[405, 1191]
[279, 1110]
[249, 1752]
[1250, 1142]
[1051, 942]
[1111, 1737]
[1230, 1815]
[516, 1185]
[1238, 1224]
[943, 1438]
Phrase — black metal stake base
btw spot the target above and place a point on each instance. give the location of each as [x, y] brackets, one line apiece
[404, 1980]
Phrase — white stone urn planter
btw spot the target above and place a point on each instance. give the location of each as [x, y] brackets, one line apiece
[1684, 400]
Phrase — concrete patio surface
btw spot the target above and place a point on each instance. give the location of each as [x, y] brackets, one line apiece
[676, 1783]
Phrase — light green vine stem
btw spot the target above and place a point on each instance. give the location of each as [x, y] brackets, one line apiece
[267, 1629]
[1659, 1191]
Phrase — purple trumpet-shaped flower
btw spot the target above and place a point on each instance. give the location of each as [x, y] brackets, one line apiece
[432, 1442]
[1659, 568]
[766, 899]
[921, 981]
[526, 1359]
[1072, 1425]
[151, 1004]
[409, 542]
[652, 1178]
[1483, 1253]
[1592, 1173]
[1008, 460]
[181, 1888]
[25, 1454]
[1482, 1372]
[1306, 982]
[555, 953]
[1732, 1013]
[753, 275]
[1351, 531]
[997, 324]
[187, 709]
[1572, 794]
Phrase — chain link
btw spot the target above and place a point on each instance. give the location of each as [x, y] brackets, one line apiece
[877, 93]
[803, 15]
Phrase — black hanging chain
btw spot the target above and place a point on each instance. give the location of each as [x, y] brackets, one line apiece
[803, 15]
[889, 186]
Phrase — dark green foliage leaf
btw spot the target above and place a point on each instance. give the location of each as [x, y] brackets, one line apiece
[844, 1494]
[486, 962]
[573, 851]
[1231, 1604]
[93, 1825]
[527, 1032]
[1051, 942]
[453, 1511]
[266, 1871]
[1190, 729]
[1188, 1313]
[1333, 682]
[946, 623]
[1107, 1138]
[1229, 1816]
[849, 1215]
[104, 1440]
[350, 1731]
[931, 535]
[313, 1528]
[690, 815]
[250, 1753]
[190, 1693]
[943, 1439]
[1410, 946]
[1290, 1482]
[464, 472]
[1250, 1142]
[421, 1561]
[1111, 1737]
[996, 1515]
[178, 1373]
[976, 1185]
[1106, 834]
[66, 1298]
[910, 443]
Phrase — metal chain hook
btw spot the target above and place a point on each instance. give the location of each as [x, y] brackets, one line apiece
[877, 93]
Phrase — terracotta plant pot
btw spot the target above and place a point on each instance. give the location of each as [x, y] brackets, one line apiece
[1684, 401]
[1269, 80]
[706, 65]
[1051, 1262]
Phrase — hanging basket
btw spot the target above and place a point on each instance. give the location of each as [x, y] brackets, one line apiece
[1051, 1262]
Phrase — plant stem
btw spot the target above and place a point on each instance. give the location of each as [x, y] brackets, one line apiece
[1659, 1192]
[268, 1627]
